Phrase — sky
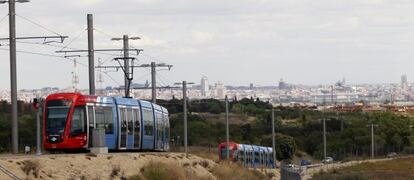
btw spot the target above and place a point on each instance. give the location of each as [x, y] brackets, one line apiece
[237, 42]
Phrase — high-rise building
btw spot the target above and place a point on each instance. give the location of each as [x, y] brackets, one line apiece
[251, 86]
[404, 82]
[282, 84]
[204, 86]
[220, 90]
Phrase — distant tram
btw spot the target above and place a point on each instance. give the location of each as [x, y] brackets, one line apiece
[129, 124]
[249, 155]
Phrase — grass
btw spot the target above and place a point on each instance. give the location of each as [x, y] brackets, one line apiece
[157, 170]
[205, 153]
[401, 169]
[235, 171]
[160, 171]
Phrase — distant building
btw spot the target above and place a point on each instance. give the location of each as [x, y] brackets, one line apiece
[220, 90]
[251, 86]
[282, 85]
[404, 82]
[204, 87]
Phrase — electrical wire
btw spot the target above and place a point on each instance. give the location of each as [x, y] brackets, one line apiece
[39, 25]
[54, 45]
[74, 39]
[104, 33]
[50, 55]
[3, 18]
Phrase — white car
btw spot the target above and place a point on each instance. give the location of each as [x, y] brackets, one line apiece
[328, 160]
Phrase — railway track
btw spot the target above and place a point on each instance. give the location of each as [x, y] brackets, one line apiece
[9, 173]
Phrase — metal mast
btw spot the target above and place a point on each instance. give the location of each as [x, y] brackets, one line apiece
[91, 55]
[153, 82]
[227, 128]
[13, 76]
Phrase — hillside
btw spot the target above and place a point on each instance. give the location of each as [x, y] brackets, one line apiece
[122, 166]
[400, 168]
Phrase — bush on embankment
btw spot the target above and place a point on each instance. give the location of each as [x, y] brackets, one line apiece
[157, 170]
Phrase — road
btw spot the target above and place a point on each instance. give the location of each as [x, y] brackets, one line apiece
[318, 167]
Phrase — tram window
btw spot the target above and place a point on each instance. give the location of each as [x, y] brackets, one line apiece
[78, 125]
[103, 117]
[241, 155]
[159, 125]
[109, 123]
[137, 127]
[91, 117]
[167, 128]
[148, 122]
[130, 120]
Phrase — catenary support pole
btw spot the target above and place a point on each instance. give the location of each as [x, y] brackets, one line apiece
[13, 76]
[126, 64]
[227, 128]
[372, 142]
[324, 138]
[38, 127]
[273, 137]
[154, 83]
[91, 55]
[185, 117]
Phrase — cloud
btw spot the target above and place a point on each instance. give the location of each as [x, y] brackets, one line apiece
[202, 37]
[87, 2]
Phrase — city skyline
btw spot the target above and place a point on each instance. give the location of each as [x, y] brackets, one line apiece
[235, 42]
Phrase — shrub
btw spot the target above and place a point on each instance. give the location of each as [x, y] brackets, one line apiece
[161, 171]
[31, 166]
[226, 170]
[115, 171]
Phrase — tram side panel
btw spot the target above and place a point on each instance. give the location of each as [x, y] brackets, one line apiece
[148, 126]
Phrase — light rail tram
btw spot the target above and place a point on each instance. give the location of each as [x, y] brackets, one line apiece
[129, 124]
[249, 155]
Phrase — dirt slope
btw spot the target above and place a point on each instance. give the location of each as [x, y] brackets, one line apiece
[78, 166]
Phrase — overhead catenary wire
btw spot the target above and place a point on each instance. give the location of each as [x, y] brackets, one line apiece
[39, 25]
[74, 39]
[103, 32]
[3, 18]
[56, 56]
[58, 46]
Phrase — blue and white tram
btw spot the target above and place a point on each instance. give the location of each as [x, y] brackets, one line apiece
[129, 124]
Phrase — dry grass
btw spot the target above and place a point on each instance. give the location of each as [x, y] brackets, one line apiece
[31, 166]
[161, 171]
[205, 152]
[401, 169]
[235, 171]
[116, 169]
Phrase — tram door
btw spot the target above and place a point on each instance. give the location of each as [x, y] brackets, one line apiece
[123, 128]
[137, 129]
[91, 123]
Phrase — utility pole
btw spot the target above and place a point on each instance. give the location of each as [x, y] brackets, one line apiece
[91, 51]
[324, 138]
[332, 95]
[185, 117]
[126, 64]
[227, 128]
[273, 136]
[153, 82]
[13, 76]
[372, 125]
[153, 66]
[91, 55]
[38, 103]
[13, 72]
[184, 84]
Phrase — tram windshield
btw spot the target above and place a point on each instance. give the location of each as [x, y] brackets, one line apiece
[56, 116]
